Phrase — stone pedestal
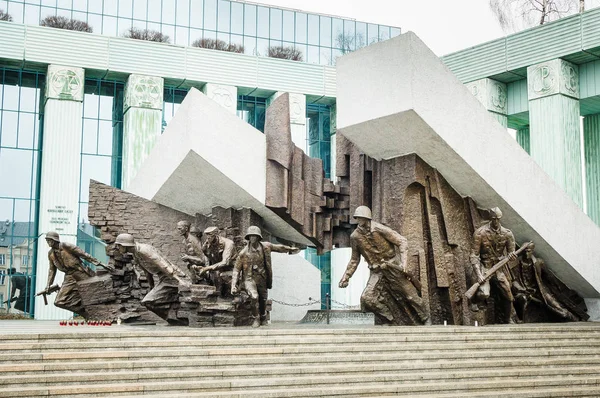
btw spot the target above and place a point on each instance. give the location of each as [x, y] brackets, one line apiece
[142, 122]
[60, 175]
[591, 134]
[226, 96]
[493, 95]
[297, 117]
[553, 91]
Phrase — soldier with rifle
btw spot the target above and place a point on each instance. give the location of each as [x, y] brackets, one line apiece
[67, 257]
[491, 243]
[22, 282]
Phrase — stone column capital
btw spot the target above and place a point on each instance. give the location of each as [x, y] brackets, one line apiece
[491, 93]
[65, 83]
[143, 91]
[553, 77]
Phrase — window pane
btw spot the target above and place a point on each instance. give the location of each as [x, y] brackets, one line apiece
[384, 32]
[90, 136]
[224, 15]
[276, 23]
[313, 55]
[16, 11]
[105, 137]
[28, 99]
[210, 14]
[68, 4]
[47, 12]
[262, 47]
[49, 3]
[196, 14]
[154, 13]
[325, 29]
[140, 8]
[249, 20]
[90, 106]
[168, 30]
[110, 7]
[168, 12]
[181, 36]
[67, 14]
[9, 124]
[94, 167]
[95, 21]
[15, 172]
[124, 25]
[237, 39]
[361, 35]
[237, 18]
[26, 130]
[288, 26]
[313, 29]
[373, 33]
[109, 26]
[250, 45]
[32, 15]
[183, 12]
[263, 22]
[300, 27]
[95, 6]
[395, 32]
[125, 9]
[106, 107]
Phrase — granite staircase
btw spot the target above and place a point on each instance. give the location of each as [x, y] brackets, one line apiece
[292, 361]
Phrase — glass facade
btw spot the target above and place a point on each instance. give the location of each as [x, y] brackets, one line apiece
[320, 38]
[101, 151]
[21, 121]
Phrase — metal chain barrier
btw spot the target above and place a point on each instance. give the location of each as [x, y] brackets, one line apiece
[339, 305]
[311, 302]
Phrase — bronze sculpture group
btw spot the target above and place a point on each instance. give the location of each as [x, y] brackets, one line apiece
[516, 279]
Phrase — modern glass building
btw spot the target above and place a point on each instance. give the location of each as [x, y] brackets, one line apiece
[72, 103]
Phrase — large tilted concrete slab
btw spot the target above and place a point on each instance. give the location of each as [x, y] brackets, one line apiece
[396, 97]
[207, 157]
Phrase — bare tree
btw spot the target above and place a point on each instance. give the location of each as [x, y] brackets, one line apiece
[146, 34]
[66, 23]
[216, 44]
[285, 52]
[4, 16]
[347, 42]
[514, 15]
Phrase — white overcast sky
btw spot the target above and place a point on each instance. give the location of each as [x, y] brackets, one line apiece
[444, 25]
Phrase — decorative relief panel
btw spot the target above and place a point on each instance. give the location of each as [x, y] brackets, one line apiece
[491, 93]
[65, 83]
[553, 77]
[144, 92]
[333, 119]
[226, 96]
[297, 106]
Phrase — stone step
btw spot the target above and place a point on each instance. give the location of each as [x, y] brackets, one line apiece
[371, 345]
[536, 340]
[256, 377]
[124, 332]
[264, 354]
[329, 386]
[297, 364]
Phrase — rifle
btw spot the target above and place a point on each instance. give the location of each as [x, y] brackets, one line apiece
[10, 300]
[48, 291]
[492, 271]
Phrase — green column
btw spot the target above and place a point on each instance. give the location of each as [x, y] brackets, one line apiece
[493, 96]
[553, 91]
[523, 138]
[591, 134]
[142, 122]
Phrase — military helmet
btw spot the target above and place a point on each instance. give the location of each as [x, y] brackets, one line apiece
[210, 230]
[53, 236]
[253, 230]
[495, 213]
[125, 240]
[363, 212]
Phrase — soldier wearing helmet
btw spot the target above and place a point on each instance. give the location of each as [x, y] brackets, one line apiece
[385, 252]
[153, 263]
[67, 257]
[254, 265]
[221, 254]
[491, 243]
[194, 256]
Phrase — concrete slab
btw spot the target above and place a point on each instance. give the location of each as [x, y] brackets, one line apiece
[416, 105]
[208, 157]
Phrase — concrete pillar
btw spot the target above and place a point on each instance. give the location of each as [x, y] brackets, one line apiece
[226, 96]
[591, 138]
[60, 174]
[523, 138]
[142, 122]
[297, 118]
[553, 92]
[493, 95]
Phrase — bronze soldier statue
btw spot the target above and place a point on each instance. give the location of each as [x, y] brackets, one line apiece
[67, 257]
[528, 286]
[491, 243]
[385, 252]
[221, 255]
[194, 257]
[254, 264]
[21, 282]
[153, 263]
